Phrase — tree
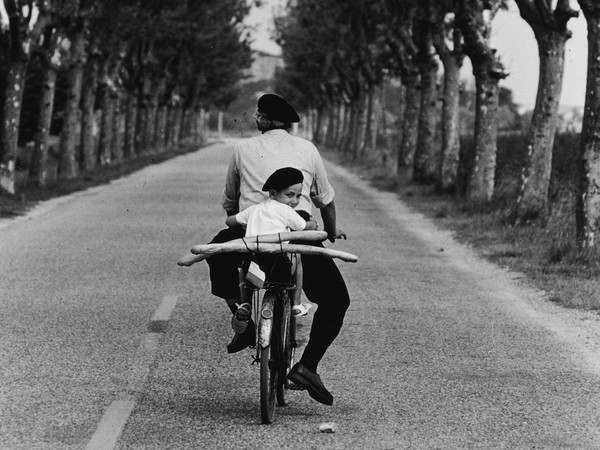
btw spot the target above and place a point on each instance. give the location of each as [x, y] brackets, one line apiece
[76, 22]
[401, 16]
[549, 24]
[588, 198]
[425, 164]
[23, 32]
[51, 57]
[474, 18]
[448, 42]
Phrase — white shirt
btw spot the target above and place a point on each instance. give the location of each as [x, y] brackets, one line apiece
[256, 158]
[269, 217]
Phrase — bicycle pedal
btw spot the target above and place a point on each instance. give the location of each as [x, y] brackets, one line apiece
[295, 387]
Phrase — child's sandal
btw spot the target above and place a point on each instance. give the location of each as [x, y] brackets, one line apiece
[301, 309]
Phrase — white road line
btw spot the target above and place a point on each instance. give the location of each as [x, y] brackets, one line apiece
[111, 426]
[160, 321]
[115, 417]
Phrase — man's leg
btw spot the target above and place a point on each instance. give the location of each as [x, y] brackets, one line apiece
[324, 285]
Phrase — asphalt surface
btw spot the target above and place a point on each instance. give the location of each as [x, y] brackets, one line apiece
[439, 348]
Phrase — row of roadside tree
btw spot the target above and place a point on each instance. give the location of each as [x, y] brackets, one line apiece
[340, 55]
[95, 82]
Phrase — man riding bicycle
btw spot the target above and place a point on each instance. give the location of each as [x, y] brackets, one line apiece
[253, 160]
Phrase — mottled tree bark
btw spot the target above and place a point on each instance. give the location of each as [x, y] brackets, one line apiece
[89, 154]
[551, 33]
[69, 164]
[130, 123]
[21, 35]
[410, 124]
[368, 145]
[117, 119]
[161, 129]
[15, 81]
[361, 125]
[588, 198]
[140, 129]
[452, 58]
[480, 185]
[488, 71]
[106, 126]
[39, 168]
[425, 162]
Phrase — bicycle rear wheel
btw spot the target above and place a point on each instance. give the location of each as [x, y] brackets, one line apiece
[269, 355]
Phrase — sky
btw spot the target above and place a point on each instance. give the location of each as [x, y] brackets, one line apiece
[511, 36]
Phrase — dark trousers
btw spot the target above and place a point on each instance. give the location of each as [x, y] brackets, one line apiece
[323, 285]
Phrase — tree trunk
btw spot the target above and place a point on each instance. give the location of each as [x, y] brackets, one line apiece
[425, 162]
[203, 125]
[588, 198]
[343, 128]
[170, 125]
[107, 126]
[318, 125]
[150, 131]
[161, 129]
[140, 129]
[410, 125]
[448, 171]
[480, 187]
[39, 167]
[15, 81]
[196, 134]
[361, 125]
[369, 143]
[535, 176]
[475, 25]
[130, 122]
[71, 125]
[88, 120]
[177, 126]
[117, 119]
[349, 128]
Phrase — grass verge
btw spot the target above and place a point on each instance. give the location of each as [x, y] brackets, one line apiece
[541, 251]
[29, 194]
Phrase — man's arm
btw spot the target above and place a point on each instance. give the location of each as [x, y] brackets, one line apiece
[231, 193]
[329, 222]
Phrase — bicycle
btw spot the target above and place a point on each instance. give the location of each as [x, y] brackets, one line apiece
[275, 324]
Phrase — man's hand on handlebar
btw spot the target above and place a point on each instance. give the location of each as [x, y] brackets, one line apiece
[339, 234]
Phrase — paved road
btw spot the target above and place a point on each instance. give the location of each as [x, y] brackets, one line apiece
[439, 349]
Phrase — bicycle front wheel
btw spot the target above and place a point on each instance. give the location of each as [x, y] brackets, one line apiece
[285, 329]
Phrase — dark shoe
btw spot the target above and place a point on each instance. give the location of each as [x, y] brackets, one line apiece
[239, 321]
[312, 382]
[242, 340]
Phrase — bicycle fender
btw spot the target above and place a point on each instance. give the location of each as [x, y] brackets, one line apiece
[266, 319]
[266, 325]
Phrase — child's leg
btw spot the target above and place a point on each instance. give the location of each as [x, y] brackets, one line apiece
[241, 317]
[245, 293]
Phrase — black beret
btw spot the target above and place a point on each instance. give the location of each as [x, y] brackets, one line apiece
[277, 108]
[282, 178]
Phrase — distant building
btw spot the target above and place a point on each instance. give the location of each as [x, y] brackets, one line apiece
[263, 66]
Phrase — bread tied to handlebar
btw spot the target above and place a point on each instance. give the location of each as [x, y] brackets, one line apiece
[267, 243]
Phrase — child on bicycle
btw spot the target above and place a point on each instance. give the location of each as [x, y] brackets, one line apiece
[274, 215]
